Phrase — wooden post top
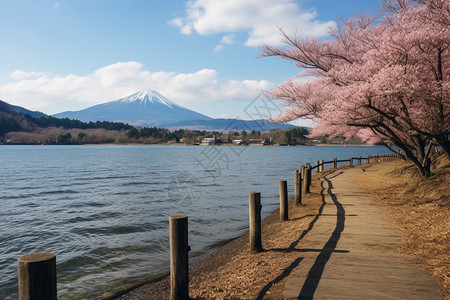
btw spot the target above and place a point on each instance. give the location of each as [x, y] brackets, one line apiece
[36, 257]
[176, 217]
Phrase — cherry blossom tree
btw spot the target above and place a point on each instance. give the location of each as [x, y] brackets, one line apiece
[383, 77]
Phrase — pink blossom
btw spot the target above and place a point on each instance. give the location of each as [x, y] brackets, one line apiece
[383, 78]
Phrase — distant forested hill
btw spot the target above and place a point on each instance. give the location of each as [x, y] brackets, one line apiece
[15, 118]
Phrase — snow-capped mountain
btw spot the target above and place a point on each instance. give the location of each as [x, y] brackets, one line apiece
[144, 108]
[148, 97]
[150, 108]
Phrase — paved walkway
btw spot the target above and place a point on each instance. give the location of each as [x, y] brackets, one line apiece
[350, 253]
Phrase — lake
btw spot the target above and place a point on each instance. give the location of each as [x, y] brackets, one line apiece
[104, 210]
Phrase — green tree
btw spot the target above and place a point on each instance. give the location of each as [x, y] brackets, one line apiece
[132, 133]
[8, 125]
[64, 138]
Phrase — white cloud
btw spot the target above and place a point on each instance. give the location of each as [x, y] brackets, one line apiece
[226, 40]
[218, 48]
[260, 18]
[56, 5]
[55, 93]
[19, 74]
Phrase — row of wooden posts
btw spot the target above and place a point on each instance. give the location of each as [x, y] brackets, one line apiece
[37, 271]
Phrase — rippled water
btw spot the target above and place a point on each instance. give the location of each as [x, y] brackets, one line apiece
[104, 210]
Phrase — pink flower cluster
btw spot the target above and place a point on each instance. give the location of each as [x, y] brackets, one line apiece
[384, 78]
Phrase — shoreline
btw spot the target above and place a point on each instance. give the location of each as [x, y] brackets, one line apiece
[209, 264]
[193, 262]
[158, 285]
[222, 250]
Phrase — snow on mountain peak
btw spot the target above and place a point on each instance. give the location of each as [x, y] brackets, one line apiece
[148, 96]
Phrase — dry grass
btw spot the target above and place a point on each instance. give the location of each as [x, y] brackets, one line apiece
[420, 208]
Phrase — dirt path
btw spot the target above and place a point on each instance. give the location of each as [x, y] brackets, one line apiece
[350, 253]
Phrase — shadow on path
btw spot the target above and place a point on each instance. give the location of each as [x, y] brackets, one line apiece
[292, 246]
[316, 271]
[311, 224]
[280, 277]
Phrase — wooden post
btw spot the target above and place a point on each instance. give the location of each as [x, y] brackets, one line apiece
[255, 222]
[359, 160]
[284, 214]
[37, 276]
[335, 162]
[179, 263]
[297, 187]
[368, 159]
[308, 174]
[304, 181]
[317, 166]
[308, 177]
[322, 167]
[350, 161]
[299, 175]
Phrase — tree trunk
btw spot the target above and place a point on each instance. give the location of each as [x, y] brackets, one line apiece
[424, 169]
[444, 143]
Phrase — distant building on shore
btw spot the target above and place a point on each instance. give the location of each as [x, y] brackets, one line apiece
[257, 141]
[238, 142]
[209, 141]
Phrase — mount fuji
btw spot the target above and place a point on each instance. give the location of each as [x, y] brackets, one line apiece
[144, 108]
[149, 108]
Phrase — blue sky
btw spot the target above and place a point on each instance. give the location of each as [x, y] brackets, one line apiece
[203, 54]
